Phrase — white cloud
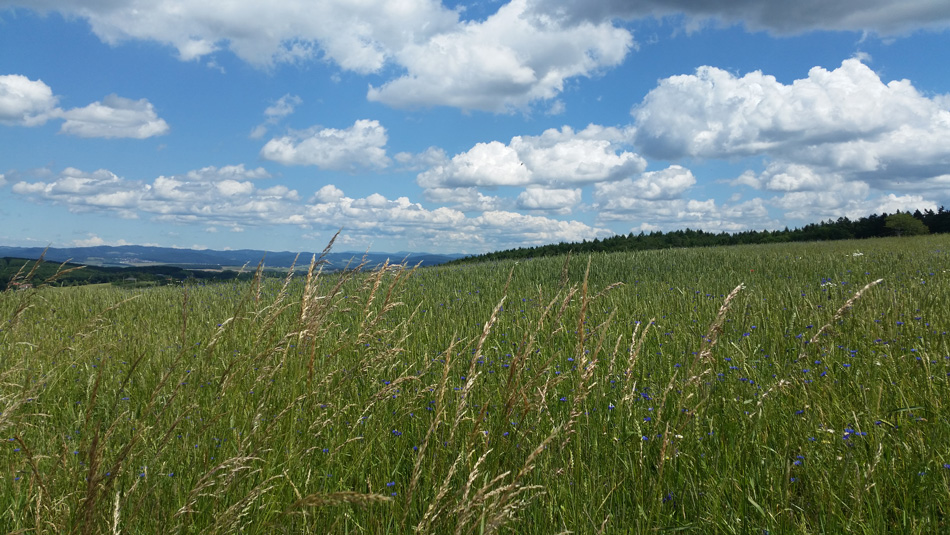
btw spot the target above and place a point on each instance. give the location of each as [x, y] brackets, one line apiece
[232, 188]
[715, 114]
[466, 199]
[25, 102]
[283, 107]
[28, 102]
[519, 55]
[560, 201]
[670, 183]
[328, 194]
[227, 172]
[678, 214]
[95, 241]
[565, 157]
[361, 146]
[656, 200]
[114, 117]
[882, 16]
[785, 176]
[509, 229]
[430, 157]
[83, 192]
[378, 214]
[223, 195]
[555, 159]
[511, 59]
[358, 36]
[227, 198]
[486, 164]
[843, 121]
[849, 199]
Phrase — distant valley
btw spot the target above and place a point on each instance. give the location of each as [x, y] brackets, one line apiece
[139, 256]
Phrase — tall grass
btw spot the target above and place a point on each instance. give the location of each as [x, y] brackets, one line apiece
[790, 389]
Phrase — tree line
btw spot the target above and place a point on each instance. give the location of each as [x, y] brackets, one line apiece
[872, 226]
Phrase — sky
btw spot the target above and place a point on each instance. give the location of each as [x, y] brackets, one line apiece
[462, 127]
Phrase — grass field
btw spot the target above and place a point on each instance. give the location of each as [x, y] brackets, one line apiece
[796, 388]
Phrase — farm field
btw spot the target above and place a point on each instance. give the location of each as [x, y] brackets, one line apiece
[788, 388]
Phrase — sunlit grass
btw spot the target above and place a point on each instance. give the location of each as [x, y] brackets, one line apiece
[532, 397]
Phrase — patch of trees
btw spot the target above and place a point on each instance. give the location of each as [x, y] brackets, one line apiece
[872, 226]
[25, 273]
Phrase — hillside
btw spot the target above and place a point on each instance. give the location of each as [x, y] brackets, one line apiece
[138, 255]
[873, 226]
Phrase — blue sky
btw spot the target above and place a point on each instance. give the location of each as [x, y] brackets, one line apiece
[415, 125]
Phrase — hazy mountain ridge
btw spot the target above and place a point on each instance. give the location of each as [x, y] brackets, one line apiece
[138, 255]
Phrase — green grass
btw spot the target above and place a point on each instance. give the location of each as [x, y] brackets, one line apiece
[621, 393]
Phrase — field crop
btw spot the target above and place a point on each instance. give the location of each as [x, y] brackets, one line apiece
[794, 388]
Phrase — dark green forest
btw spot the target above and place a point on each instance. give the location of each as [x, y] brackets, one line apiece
[872, 226]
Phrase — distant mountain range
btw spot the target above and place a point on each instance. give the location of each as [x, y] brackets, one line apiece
[138, 255]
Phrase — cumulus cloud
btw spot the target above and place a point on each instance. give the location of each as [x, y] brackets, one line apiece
[670, 183]
[223, 195]
[445, 228]
[358, 36]
[466, 199]
[361, 146]
[657, 201]
[328, 194]
[515, 229]
[506, 62]
[227, 172]
[555, 159]
[114, 117]
[511, 59]
[560, 201]
[842, 121]
[83, 192]
[25, 102]
[677, 214]
[521, 54]
[849, 199]
[713, 113]
[486, 164]
[229, 198]
[881, 16]
[785, 176]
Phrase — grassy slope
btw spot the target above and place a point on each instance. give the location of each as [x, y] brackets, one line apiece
[378, 402]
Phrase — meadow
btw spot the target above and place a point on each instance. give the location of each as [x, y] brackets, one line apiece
[792, 388]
